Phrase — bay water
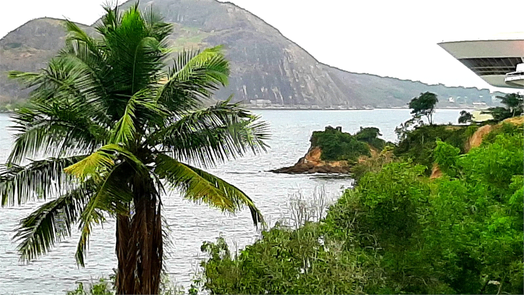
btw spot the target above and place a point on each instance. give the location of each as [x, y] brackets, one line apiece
[191, 224]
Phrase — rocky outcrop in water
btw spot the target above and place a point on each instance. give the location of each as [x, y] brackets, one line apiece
[312, 163]
[334, 151]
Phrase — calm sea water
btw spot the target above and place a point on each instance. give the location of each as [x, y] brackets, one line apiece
[192, 224]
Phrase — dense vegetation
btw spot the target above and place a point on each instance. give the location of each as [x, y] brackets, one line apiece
[399, 231]
[337, 145]
[419, 144]
[513, 105]
[418, 141]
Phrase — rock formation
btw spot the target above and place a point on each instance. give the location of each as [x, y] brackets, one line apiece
[311, 163]
[340, 149]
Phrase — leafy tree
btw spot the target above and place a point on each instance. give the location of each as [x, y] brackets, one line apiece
[405, 128]
[513, 106]
[115, 124]
[498, 113]
[370, 135]
[465, 117]
[367, 133]
[424, 105]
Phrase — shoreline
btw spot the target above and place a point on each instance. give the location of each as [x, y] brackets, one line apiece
[317, 108]
[295, 108]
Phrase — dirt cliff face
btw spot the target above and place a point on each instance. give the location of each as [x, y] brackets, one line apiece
[476, 140]
[311, 163]
[264, 64]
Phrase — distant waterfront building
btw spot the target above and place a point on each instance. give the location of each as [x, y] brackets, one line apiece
[498, 62]
[479, 116]
[260, 102]
[480, 105]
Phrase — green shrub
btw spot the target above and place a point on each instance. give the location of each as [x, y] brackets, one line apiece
[284, 261]
[102, 287]
[504, 128]
[370, 135]
[419, 144]
[337, 145]
[106, 286]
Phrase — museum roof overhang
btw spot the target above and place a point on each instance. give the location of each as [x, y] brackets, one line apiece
[489, 59]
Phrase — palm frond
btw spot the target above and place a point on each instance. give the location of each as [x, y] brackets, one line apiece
[38, 179]
[132, 51]
[213, 135]
[93, 84]
[60, 79]
[61, 113]
[96, 217]
[92, 166]
[50, 223]
[79, 36]
[150, 114]
[28, 79]
[200, 186]
[39, 135]
[97, 165]
[125, 129]
[193, 78]
[112, 196]
[158, 29]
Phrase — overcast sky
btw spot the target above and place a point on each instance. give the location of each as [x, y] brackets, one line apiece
[384, 37]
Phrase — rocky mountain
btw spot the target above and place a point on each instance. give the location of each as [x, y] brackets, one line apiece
[28, 48]
[265, 64]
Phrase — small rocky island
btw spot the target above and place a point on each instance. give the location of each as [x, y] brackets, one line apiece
[334, 151]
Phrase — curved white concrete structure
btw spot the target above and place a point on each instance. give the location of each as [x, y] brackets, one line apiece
[495, 61]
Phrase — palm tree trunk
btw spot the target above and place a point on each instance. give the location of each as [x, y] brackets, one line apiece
[139, 244]
[126, 254]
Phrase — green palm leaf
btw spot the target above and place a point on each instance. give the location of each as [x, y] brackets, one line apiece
[38, 179]
[112, 196]
[59, 116]
[92, 166]
[193, 78]
[50, 223]
[102, 161]
[213, 135]
[200, 186]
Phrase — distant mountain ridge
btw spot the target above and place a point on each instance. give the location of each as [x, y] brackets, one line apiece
[264, 64]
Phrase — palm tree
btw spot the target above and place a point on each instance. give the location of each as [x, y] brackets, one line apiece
[113, 130]
[514, 103]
